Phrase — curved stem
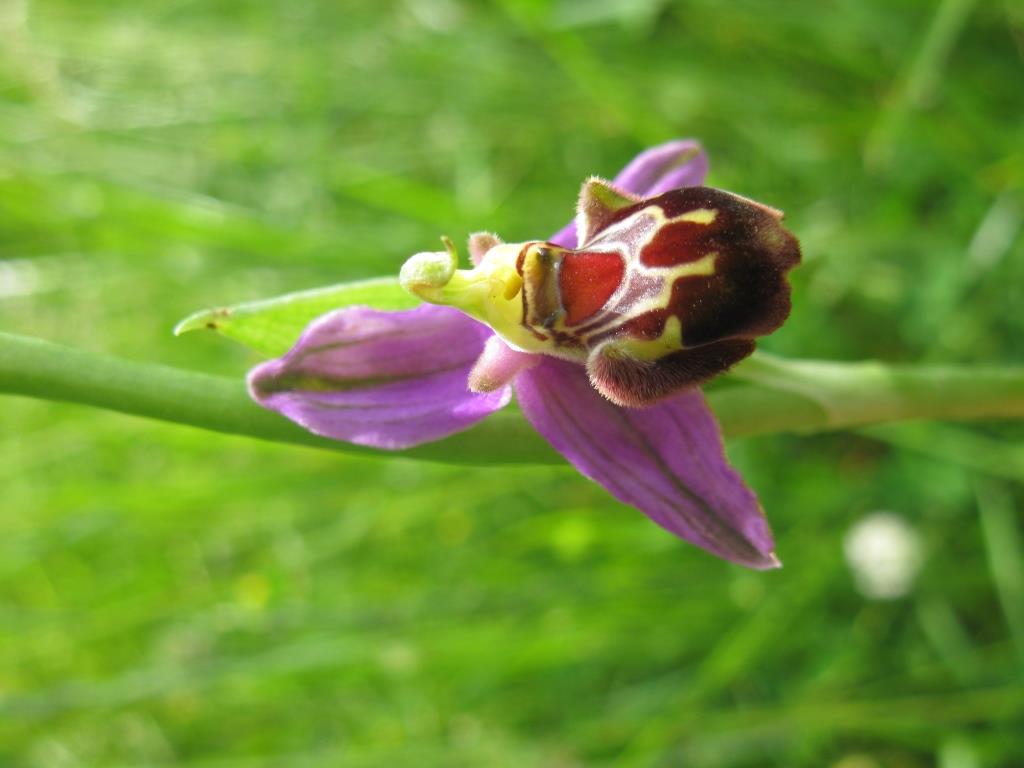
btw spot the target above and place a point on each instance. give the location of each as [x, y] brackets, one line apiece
[776, 396]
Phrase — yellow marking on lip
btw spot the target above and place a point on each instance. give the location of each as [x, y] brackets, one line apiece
[703, 267]
[670, 340]
[699, 216]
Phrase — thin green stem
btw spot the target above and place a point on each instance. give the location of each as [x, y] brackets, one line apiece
[47, 371]
[765, 395]
[863, 393]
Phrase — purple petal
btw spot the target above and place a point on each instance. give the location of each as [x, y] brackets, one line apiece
[384, 379]
[667, 460]
[680, 163]
[498, 364]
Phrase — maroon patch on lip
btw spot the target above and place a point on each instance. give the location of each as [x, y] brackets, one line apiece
[637, 383]
[586, 280]
[649, 325]
[677, 202]
[748, 295]
[680, 242]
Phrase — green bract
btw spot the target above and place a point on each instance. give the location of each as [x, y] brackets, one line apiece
[270, 326]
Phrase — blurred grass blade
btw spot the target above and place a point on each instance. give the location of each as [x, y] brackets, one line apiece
[1005, 548]
[922, 78]
[271, 326]
[990, 456]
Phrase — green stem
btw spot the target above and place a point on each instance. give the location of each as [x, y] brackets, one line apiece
[47, 371]
[777, 396]
[858, 394]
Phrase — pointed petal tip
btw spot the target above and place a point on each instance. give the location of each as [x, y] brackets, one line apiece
[610, 188]
[203, 319]
[747, 554]
[772, 562]
[598, 203]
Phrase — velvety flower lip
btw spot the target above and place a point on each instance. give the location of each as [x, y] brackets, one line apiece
[398, 379]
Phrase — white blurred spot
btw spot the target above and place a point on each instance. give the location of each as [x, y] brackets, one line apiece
[884, 553]
[19, 278]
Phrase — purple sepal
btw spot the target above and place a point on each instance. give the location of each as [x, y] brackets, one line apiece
[675, 164]
[680, 163]
[667, 460]
[382, 379]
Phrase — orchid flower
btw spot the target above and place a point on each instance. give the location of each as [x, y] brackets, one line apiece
[603, 332]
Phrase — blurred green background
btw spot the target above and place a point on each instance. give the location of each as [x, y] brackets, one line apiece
[172, 597]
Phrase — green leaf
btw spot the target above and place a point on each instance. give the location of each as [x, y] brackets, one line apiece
[271, 326]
